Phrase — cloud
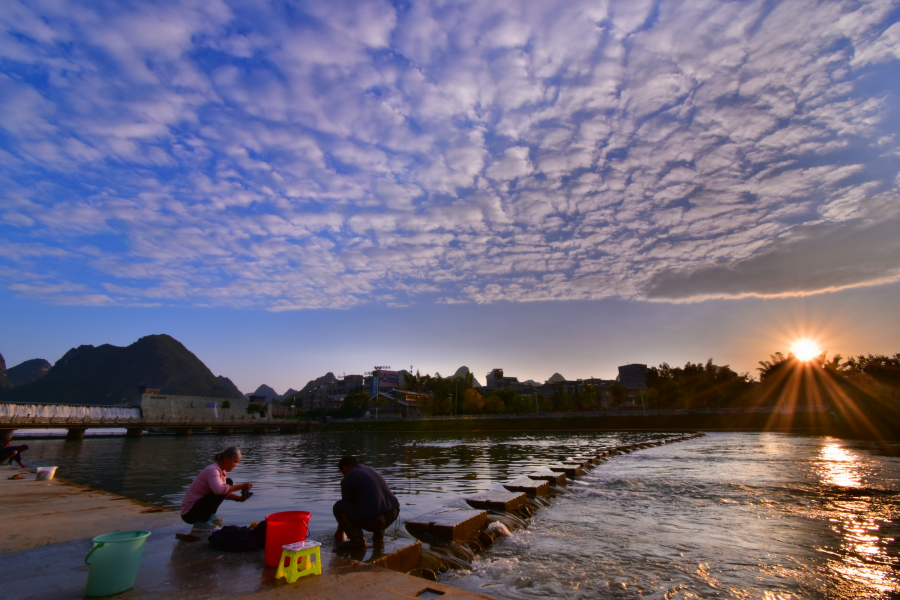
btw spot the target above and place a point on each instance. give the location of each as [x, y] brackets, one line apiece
[332, 154]
[809, 259]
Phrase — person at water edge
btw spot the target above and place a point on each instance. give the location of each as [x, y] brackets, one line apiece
[366, 503]
[13, 453]
[210, 489]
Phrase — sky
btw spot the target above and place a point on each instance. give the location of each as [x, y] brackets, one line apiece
[294, 188]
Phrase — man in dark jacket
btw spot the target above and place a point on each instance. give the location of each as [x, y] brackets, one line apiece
[366, 503]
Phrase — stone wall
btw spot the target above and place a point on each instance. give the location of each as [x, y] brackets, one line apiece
[197, 408]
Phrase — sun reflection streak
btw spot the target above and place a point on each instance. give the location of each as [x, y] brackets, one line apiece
[864, 557]
[839, 467]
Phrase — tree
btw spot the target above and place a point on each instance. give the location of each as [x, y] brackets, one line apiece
[494, 405]
[618, 393]
[355, 405]
[473, 402]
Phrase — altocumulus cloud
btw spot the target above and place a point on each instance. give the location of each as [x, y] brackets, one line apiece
[327, 154]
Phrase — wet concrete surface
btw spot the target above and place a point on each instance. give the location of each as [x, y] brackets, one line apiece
[194, 570]
[47, 531]
[38, 513]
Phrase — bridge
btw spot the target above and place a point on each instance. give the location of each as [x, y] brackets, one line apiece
[135, 426]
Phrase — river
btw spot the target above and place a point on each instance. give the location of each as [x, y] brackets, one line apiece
[730, 515]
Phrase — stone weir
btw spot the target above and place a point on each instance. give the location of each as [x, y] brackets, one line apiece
[456, 534]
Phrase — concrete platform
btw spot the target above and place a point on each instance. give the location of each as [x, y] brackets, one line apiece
[450, 524]
[529, 486]
[176, 570]
[47, 562]
[502, 501]
[571, 471]
[589, 460]
[552, 477]
[67, 511]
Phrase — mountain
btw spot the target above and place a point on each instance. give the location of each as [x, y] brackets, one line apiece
[291, 392]
[110, 375]
[555, 378]
[5, 383]
[266, 391]
[313, 384]
[229, 384]
[28, 371]
[532, 383]
[461, 374]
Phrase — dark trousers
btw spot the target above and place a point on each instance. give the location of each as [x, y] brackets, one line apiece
[205, 507]
[353, 524]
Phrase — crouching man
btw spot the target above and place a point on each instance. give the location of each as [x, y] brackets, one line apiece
[366, 503]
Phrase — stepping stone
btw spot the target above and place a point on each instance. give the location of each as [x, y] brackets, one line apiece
[450, 524]
[588, 460]
[397, 555]
[502, 501]
[584, 464]
[552, 477]
[572, 471]
[529, 486]
[623, 449]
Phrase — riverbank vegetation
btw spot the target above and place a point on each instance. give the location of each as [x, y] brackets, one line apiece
[859, 395]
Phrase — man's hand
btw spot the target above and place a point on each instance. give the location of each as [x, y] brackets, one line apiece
[339, 536]
[246, 486]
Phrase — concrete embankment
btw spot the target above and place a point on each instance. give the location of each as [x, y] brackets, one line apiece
[48, 525]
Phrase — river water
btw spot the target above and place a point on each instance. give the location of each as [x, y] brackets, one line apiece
[730, 515]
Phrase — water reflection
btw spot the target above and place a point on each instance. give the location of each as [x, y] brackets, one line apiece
[839, 466]
[732, 515]
[857, 515]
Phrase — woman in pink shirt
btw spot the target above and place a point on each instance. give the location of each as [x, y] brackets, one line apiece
[210, 489]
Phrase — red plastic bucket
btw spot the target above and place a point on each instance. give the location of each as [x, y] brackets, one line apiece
[284, 528]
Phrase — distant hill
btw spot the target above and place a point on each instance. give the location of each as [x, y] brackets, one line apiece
[291, 392]
[555, 378]
[229, 384]
[110, 375]
[28, 371]
[5, 383]
[266, 391]
[461, 374]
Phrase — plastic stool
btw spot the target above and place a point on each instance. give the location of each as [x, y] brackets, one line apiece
[305, 559]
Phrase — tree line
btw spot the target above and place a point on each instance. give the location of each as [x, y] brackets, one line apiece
[860, 387]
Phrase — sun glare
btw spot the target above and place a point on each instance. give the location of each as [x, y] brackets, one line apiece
[805, 350]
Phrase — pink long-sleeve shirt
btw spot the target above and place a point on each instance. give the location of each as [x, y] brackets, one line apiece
[210, 479]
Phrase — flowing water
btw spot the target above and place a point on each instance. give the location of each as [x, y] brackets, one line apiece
[730, 515]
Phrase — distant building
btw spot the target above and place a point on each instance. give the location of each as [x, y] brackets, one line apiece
[497, 381]
[330, 394]
[382, 380]
[633, 376]
[402, 403]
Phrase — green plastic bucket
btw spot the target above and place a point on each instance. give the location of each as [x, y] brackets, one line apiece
[115, 561]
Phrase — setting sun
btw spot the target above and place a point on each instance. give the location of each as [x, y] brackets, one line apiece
[806, 350]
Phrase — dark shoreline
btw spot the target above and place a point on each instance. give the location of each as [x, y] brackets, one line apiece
[799, 423]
